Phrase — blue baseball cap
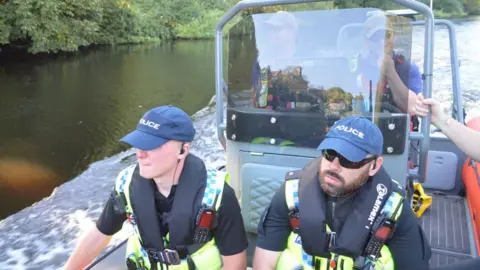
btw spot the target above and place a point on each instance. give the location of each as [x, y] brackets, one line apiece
[160, 125]
[354, 138]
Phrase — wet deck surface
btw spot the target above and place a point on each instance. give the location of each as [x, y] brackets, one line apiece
[446, 225]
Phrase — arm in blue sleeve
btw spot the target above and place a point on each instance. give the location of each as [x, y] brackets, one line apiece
[415, 83]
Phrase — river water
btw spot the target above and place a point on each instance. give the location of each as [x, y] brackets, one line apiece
[60, 116]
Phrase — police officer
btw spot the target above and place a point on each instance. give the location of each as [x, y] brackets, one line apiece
[342, 211]
[184, 215]
[281, 31]
[388, 71]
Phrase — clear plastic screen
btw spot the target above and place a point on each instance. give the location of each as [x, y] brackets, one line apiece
[291, 75]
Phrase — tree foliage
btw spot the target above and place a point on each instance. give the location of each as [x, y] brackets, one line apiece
[66, 25]
[452, 7]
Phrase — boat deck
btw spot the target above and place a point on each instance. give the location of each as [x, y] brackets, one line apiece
[447, 225]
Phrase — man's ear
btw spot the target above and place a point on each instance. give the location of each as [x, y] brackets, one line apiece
[184, 150]
[375, 166]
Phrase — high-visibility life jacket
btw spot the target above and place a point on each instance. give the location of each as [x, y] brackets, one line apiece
[361, 242]
[189, 243]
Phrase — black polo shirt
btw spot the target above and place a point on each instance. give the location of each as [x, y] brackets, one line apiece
[230, 236]
[409, 247]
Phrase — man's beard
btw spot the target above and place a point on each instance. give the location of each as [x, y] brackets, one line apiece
[342, 189]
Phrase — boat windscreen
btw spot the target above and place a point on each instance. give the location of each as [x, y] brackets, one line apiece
[304, 70]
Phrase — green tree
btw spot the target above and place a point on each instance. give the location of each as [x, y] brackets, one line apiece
[381, 4]
[50, 25]
[5, 28]
[472, 7]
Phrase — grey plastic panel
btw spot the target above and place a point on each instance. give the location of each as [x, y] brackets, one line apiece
[261, 176]
[441, 170]
[444, 144]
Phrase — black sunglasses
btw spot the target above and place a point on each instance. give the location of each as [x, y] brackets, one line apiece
[330, 155]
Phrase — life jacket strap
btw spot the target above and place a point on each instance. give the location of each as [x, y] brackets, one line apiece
[382, 229]
[206, 219]
[167, 256]
[291, 188]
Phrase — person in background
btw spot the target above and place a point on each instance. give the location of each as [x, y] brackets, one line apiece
[399, 79]
[467, 139]
[280, 29]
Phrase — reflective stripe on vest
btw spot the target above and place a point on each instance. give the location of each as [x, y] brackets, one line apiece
[207, 257]
[294, 257]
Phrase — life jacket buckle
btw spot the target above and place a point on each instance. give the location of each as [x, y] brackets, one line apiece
[294, 219]
[359, 263]
[333, 262]
[172, 257]
[167, 256]
[332, 239]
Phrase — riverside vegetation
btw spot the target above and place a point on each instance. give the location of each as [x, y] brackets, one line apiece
[51, 26]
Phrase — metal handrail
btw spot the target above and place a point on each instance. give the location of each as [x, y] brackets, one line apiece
[455, 64]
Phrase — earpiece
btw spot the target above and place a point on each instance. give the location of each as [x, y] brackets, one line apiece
[182, 151]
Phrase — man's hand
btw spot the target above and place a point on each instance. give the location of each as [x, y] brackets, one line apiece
[89, 247]
[423, 105]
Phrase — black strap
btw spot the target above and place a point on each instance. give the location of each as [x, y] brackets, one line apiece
[187, 202]
[142, 198]
[368, 202]
[312, 219]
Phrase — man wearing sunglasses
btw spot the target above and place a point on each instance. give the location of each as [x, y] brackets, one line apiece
[399, 80]
[342, 209]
